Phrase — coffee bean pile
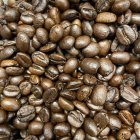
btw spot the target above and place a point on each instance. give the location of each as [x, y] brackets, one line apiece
[70, 70]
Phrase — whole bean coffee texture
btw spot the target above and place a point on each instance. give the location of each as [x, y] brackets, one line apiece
[70, 70]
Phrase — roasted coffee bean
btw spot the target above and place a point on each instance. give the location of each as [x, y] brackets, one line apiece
[106, 17]
[68, 94]
[11, 91]
[71, 65]
[126, 35]
[123, 134]
[3, 116]
[23, 59]
[10, 104]
[120, 58]
[65, 104]
[126, 117]
[7, 52]
[91, 50]
[27, 17]
[90, 65]
[40, 58]
[61, 129]
[120, 6]
[99, 95]
[5, 132]
[101, 30]
[38, 20]
[137, 129]
[90, 127]
[39, 5]
[75, 118]
[87, 11]
[129, 94]
[26, 113]
[48, 131]
[62, 4]
[70, 15]
[103, 5]
[50, 95]
[79, 135]
[42, 35]
[27, 29]
[35, 127]
[20, 125]
[56, 33]
[11, 15]
[67, 42]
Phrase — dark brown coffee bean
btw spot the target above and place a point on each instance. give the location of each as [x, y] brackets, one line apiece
[44, 114]
[137, 77]
[47, 83]
[75, 118]
[10, 104]
[50, 95]
[90, 127]
[35, 128]
[58, 118]
[126, 117]
[99, 95]
[54, 14]
[137, 129]
[126, 35]
[62, 4]
[11, 91]
[123, 134]
[71, 65]
[91, 50]
[5, 32]
[70, 15]
[114, 122]
[5, 132]
[120, 58]
[39, 5]
[23, 59]
[49, 23]
[11, 15]
[135, 5]
[67, 42]
[90, 65]
[87, 11]
[48, 47]
[22, 42]
[120, 6]
[84, 93]
[82, 42]
[129, 94]
[3, 116]
[7, 52]
[56, 33]
[87, 28]
[75, 30]
[61, 129]
[26, 113]
[38, 20]
[79, 135]
[42, 35]
[40, 58]
[65, 104]
[27, 17]
[68, 94]
[20, 125]
[27, 29]
[81, 107]
[103, 5]
[106, 17]
[48, 131]
[89, 79]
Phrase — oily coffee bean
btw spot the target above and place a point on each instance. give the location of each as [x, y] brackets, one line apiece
[126, 35]
[26, 113]
[75, 118]
[5, 132]
[90, 65]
